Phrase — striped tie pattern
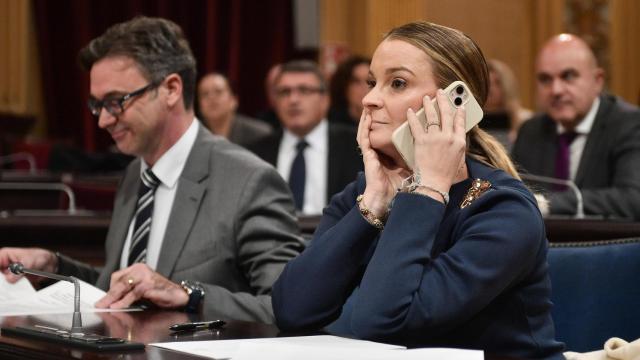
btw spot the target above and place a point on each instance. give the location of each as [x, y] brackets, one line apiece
[144, 210]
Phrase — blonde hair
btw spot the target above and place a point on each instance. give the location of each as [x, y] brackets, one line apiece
[455, 56]
[510, 96]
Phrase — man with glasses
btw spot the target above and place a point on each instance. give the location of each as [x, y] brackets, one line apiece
[317, 158]
[199, 223]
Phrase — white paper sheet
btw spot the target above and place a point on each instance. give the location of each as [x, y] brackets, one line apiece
[54, 299]
[323, 347]
[15, 292]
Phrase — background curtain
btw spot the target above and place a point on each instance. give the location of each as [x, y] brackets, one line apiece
[242, 38]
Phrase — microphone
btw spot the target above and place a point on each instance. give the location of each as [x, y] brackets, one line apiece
[568, 183]
[76, 326]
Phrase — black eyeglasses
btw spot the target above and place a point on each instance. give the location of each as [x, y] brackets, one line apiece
[115, 106]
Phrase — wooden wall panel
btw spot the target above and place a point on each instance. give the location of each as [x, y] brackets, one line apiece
[511, 31]
[20, 81]
[624, 72]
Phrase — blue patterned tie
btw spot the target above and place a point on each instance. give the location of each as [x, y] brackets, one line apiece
[144, 210]
[297, 176]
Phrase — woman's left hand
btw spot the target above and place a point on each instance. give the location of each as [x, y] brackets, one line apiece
[439, 145]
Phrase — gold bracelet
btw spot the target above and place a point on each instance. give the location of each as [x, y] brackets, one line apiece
[368, 215]
[445, 196]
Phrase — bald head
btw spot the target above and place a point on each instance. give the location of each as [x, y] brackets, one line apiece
[568, 79]
[564, 44]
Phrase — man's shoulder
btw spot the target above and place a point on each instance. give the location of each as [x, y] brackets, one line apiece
[225, 154]
[253, 124]
[614, 108]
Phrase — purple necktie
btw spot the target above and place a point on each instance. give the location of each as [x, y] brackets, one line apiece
[563, 157]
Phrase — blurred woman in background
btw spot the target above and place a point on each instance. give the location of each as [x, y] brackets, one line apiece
[347, 87]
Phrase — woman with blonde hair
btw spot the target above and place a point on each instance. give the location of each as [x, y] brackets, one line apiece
[503, 97]
[449, 253]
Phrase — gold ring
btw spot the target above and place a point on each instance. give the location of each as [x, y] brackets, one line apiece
[427, 125]
[130, 281]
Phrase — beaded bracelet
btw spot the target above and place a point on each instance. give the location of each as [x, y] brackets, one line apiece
[368, 215]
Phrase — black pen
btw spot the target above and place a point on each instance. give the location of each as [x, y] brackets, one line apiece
[215, 324]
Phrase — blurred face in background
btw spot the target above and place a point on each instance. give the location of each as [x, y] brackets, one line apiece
[568, 80]
[495, 97]
[357, 89]
[215, 100]
[301, 102]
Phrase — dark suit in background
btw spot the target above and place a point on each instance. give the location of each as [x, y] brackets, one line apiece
[231, 228]
[246, 130]
[344, 159]
[609, 169]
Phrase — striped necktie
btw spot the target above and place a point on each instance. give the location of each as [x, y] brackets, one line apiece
[144, 210]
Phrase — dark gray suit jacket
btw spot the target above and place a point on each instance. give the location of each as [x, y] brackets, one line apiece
[246, 130]
[609, 170]
[344, 160]
[232, 227]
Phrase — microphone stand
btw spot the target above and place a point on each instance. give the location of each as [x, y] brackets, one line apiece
[568, 183]
[76, 325]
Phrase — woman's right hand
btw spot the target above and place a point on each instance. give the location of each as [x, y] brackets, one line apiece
[382, 181]
[30, 258]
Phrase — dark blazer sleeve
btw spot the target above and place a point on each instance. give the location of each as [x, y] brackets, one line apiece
[495, 244]
[313, 287]
[405, 287]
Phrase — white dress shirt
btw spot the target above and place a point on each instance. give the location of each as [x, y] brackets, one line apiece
[168, 169]
[582, 131]
[316, 159]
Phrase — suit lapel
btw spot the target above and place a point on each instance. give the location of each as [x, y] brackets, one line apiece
[334, 171]
[549, 148]
[594, 139]
[186, 204]
[272, 148]
[124, 207]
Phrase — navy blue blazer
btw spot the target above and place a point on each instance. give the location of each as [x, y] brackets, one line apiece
[435, 276]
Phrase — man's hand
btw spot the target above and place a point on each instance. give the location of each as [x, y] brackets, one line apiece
[30, 258]
[138, 282]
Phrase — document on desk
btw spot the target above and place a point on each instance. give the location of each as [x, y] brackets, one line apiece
[21, 299]
[321, 347]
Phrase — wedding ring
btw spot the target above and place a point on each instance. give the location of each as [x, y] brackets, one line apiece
[130, 281]
[426, 127]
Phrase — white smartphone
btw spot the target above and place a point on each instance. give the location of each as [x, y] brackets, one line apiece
[458, 94]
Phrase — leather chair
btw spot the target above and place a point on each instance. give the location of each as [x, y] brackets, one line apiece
[595, 291]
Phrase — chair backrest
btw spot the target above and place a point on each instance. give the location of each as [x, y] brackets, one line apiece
[595, 291]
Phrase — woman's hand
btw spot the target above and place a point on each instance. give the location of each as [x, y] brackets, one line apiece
[439, 145]
[382, 181]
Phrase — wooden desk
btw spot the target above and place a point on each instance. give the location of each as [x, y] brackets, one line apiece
[145, 327]
[580, 230]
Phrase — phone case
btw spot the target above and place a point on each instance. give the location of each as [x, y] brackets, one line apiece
[458, 94]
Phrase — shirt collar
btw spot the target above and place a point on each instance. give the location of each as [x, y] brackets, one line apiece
[316, 138]
[169, 167]
[584, 127]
